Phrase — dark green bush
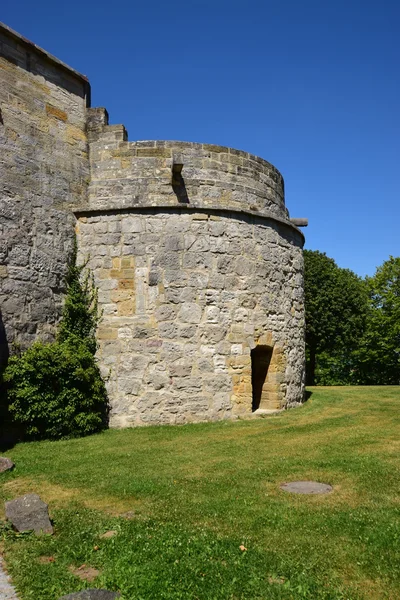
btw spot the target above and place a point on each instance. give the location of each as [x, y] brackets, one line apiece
[56, 390]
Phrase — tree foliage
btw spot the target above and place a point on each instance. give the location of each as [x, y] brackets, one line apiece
[336, 307]
[378, 357]
[352, 325]
[56, 390]
[80, 315]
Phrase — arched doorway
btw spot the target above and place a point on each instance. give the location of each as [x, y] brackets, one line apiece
[260, 362]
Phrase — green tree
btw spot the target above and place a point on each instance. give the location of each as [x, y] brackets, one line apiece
[336, 306]
[80, 315]
[378, 357]
[56, 390]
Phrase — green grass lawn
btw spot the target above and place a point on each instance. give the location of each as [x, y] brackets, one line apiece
[195, 494]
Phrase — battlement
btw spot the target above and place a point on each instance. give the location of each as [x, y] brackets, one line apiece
[166, 173]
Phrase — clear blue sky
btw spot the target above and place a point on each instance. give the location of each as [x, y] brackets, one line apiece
[311, 86]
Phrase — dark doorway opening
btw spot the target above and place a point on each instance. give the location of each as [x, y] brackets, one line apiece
[260, 361]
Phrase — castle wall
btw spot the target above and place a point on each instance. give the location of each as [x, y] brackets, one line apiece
[186, 295]
[44, 169]
[198, 267]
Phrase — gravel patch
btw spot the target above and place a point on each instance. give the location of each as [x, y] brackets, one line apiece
[7, 591]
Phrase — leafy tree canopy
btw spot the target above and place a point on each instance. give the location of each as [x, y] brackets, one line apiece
[336, 306]
[378, 357]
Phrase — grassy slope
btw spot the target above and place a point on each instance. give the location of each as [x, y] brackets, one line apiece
[200, 491]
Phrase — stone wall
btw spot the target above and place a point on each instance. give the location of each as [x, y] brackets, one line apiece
[186, 296]
[44, 170]
[132, 174]
[198, 266]
[200, 279]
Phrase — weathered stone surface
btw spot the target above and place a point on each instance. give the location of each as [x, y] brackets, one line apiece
[306, 487]
[6, 464]
[44, 169]
[187, 343]
[195, 269]
[29, 513]
[91, 594]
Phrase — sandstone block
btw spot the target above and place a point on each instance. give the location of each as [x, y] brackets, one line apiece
[165, 312]
[190, 313]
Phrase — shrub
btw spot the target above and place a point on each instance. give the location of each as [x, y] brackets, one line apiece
[56, 390]
[80, 313]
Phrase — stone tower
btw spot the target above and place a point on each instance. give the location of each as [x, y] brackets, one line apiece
[198, 266]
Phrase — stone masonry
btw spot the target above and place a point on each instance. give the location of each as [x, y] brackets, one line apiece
[43, 169]
[198, 266]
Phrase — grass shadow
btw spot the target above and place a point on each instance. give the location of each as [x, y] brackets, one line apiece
[8, 437]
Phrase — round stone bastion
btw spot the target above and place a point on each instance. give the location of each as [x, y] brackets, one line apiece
[200, 278]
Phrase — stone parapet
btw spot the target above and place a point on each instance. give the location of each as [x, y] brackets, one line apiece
[168, 173]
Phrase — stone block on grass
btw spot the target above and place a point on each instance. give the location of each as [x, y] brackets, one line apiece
[29, 513]
[6, 464]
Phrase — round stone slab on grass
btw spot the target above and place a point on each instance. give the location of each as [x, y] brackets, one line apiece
[91, 594]
[6, 464]
[306, 487]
